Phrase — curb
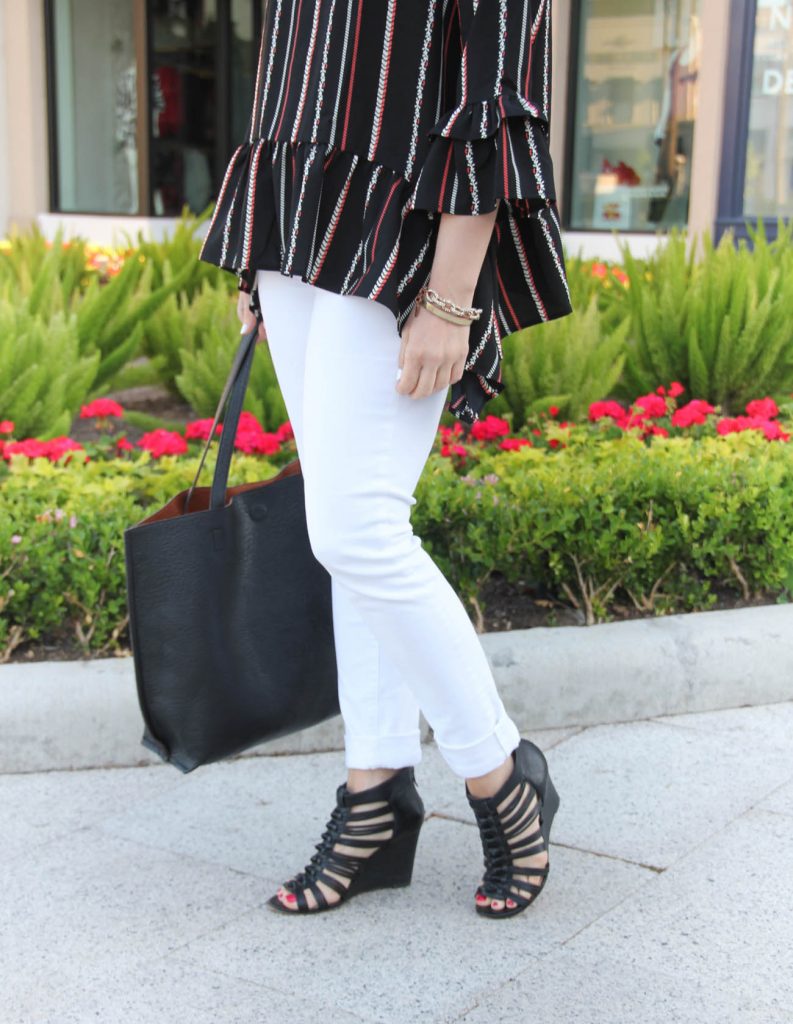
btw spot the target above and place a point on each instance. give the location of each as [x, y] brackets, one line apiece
[84, 714]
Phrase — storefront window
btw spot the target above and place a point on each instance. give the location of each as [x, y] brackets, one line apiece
[196, 60]
[768, 185]
[95, 105]
[635, 109]
[183, 96]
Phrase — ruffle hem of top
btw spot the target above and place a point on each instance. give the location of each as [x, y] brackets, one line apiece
[273, 188]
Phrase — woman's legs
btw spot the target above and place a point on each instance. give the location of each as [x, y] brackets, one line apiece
[403, 638]
[380, 713]
[364, 448]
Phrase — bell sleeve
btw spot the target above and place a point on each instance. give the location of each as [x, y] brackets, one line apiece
[491, 142]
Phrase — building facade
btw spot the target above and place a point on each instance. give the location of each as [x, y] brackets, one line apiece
[114, 114]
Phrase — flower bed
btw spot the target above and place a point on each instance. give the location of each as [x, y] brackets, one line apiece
[654, 508]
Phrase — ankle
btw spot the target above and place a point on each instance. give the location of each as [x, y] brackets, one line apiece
[489, 784]
[359, 779]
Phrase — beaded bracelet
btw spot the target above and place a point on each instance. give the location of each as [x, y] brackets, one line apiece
[445, 308]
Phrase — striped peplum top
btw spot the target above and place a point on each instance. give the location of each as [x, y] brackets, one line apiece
[370, 118]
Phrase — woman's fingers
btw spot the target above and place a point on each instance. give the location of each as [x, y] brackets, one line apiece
[247, 319]
[431, 357]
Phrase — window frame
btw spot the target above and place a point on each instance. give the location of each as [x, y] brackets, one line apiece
[574, 49]
[737, 103]
[144, 48]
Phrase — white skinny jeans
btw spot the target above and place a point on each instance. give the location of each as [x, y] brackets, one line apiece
[403, 638]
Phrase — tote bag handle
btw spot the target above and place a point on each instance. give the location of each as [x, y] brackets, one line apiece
[233, 391]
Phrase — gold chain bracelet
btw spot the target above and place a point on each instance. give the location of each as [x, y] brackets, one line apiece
[445, 308]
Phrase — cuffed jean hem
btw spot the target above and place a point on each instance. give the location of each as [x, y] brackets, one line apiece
[486, 754]
[382, 751]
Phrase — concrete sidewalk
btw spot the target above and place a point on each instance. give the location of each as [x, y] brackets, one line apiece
[136, 895]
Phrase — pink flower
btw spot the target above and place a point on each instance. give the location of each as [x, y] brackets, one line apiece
[199, 430]
[695, 411]
[31, 447]
[675, 389]
[512, 443]
[58, 446]
[653, 405]
[737, 424]
[6, 426]
[489, 429]
[15, 538]
[453, 449]
[253, 439]
[163, 442]
[765, 408]
[101, 407]
[285, 432]
[600, 410]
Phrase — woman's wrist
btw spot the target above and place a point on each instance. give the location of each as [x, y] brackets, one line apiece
[459, 253]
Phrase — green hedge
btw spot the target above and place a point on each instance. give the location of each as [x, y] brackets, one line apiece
[665, 527]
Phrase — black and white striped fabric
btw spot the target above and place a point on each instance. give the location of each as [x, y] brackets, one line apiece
[370, 118]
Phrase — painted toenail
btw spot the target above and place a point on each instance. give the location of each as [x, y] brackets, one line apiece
[291, 898]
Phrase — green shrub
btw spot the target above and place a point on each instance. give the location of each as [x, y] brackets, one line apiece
[720, 325]
[44, 374]
[568, 363]
[63, 581]
[660, 528]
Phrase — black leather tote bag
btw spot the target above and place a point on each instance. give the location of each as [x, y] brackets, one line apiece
[230, 612]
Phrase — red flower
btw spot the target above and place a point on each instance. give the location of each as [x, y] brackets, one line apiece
[773, 431]
[652, 405]
[675, 389]
[737, 424]
[123, 445]
[6, 426]
[489, 429]
[253, 439]
[101, 407]
[765, 408]
[447, 433]
[285, 432]
[620, 275]
[198, 430]
[553, 410]
[655, 429]
[33, 448]
[600, 410]
[58, 446]
[599, 270]
[453, 449]
[163, 442]
[695, 411]
[512, 443]
[256, 442]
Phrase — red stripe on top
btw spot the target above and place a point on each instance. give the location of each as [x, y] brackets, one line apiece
[445, 174]
[352, 72]
[505, 297]
[504, 147]
[289, 72]
[387, 203]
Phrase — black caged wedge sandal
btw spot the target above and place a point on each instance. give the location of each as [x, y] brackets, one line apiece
[515, 824]
[383, 822]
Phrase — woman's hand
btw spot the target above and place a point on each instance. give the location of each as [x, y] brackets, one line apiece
[434, 351]
[246, 318]
[432, 355]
